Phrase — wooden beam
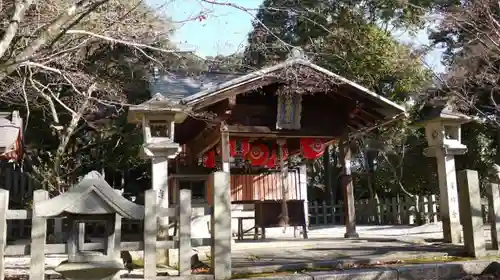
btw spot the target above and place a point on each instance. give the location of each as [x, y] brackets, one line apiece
[206, 140]
[223, 110]
[225, 154]
[233, 91]
[266, 132]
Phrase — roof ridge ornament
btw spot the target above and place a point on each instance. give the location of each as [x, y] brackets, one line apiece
[297, 53]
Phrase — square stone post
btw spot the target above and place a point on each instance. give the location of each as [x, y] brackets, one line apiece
[221, 226]
[448, 202]
[348, 186]
[494, 214]
[159, 182]
[471, 214]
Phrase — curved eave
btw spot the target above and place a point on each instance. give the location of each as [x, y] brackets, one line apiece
[65, 202]
[157, 106]
[389, 108]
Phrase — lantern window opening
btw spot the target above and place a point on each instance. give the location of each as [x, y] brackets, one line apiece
[452, 132]
[160, 128]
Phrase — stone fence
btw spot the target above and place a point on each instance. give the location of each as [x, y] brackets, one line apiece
[39, 246]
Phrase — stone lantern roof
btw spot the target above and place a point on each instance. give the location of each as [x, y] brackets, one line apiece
[92, 196]
[442, 111]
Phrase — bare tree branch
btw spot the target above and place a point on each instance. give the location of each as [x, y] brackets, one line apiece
[11, 30]
[123, 42]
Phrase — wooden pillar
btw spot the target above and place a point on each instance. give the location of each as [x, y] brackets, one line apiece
[284, 184]
[348, 186]
[224, 142]
[327, 180]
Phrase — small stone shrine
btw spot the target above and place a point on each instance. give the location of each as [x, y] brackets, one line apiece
[93, 199]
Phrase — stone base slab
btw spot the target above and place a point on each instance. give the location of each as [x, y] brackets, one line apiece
[441, 271]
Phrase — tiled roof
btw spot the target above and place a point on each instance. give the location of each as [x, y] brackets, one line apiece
[176, 86]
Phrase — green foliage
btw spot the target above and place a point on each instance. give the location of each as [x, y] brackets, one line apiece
[351, 38]
[371, 57]
[345, 38]
[469, 34]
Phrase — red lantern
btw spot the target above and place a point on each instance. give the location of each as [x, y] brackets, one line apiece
[239, 147]
[312, 148]
[208, 159]
[273, 158]
[13, 138]
[258, 155]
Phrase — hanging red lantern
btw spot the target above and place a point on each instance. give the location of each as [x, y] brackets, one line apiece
[208, 159]
[273, 160]
[258, 155]
[12, 140]
[312, 148]
[239, 147]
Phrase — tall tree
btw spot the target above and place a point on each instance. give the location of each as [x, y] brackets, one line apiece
[353, 39]
[72, 68]
[469, 32]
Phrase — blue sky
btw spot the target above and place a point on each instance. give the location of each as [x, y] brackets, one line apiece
[225, 29]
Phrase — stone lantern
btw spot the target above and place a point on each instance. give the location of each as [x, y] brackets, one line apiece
[443, 133]
[158, 128]
[157, 118]
[93, 199]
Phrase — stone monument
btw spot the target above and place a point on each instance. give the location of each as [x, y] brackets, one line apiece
[93, 199]
[442, 130]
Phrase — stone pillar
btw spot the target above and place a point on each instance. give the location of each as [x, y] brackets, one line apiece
[348, 186]
[159, 183]
[159, 180]
[221, 226]
[470, 210]
[494, 214]
[448, 202]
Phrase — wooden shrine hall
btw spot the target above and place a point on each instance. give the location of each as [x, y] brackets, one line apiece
[260, 127]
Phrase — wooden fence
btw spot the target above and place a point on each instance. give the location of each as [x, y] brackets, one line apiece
[390, 211]
[38, 246]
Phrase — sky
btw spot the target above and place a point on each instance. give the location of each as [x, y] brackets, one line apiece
[225, 29]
